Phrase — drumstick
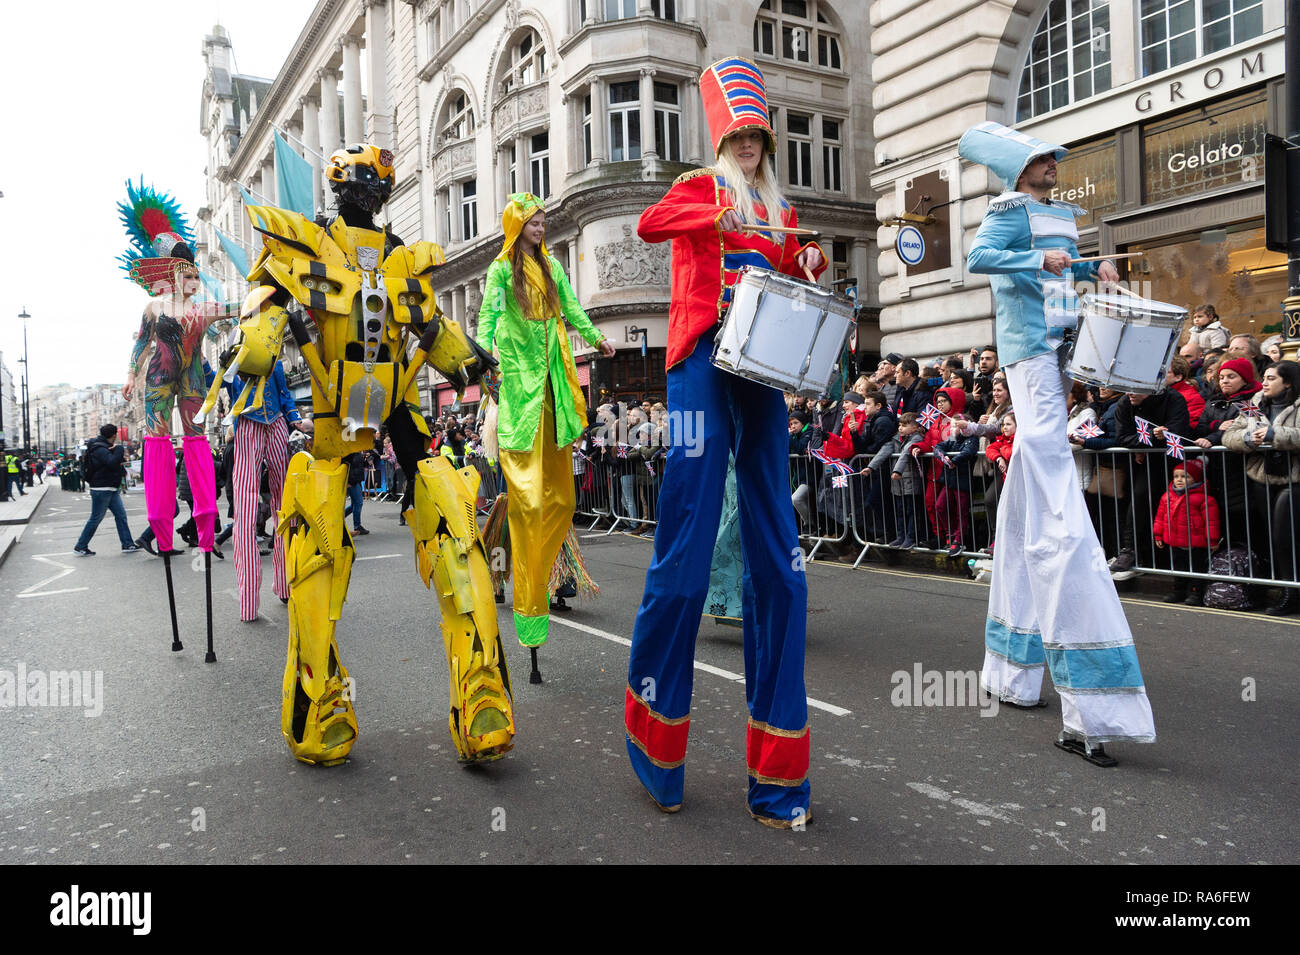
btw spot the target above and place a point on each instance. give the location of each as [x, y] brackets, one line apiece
[749, 227]
[1103, 258]
[808, 272]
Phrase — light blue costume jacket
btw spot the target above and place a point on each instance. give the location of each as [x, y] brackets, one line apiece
[1034, 307]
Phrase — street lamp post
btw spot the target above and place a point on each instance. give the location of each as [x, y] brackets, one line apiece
[27, 427]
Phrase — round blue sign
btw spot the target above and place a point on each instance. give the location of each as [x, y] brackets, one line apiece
[910, 245]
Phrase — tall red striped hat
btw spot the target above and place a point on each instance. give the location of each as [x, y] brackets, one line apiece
[734, 99]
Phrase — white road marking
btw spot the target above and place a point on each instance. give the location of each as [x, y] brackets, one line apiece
[376, 557]
[35, 589]
[716, 671]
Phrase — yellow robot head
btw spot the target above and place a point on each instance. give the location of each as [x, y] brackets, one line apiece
[362, 175]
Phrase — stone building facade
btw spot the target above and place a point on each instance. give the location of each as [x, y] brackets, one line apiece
[593, 104]
[1164, 105]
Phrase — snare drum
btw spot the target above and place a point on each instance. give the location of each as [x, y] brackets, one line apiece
[783, 332]
[1125, 343]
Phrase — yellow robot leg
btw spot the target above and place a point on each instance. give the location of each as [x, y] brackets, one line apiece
[449, 555]
[316, 714]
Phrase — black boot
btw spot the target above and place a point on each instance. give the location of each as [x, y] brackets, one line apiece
[1289, 604]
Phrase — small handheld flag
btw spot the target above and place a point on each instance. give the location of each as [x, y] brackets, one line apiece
[929, 417]
[1174, 447]
[1089, 430]
[832, 463]
[1144, 431]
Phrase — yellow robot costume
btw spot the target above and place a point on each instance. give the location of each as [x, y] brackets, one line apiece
[366, 293]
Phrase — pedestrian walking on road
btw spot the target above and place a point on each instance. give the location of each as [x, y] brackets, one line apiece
[105, 472]
[14, 475]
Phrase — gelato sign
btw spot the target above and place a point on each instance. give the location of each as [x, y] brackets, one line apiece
[1204, 157]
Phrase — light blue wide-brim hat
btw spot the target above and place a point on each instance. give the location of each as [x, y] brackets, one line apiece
[1004, 150]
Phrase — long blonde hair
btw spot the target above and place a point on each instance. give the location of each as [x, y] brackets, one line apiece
[765, 184]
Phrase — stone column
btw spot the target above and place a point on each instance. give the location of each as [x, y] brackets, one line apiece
[860, 268]
[695, 133]
[458, 305]
[439, 217]
[353, 122]
[329, 111]
[599, 122]
[649, 150]
[818, 173]
[268, 179]
[379, 115]
[522, 166]
[473, 299]
[311, 136]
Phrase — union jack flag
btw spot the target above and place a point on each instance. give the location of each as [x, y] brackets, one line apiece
[840, 480]
[599, 441]
[1144, 431]
[1174, 446]
[1089, 430]
[833, 463]
[1251, 411]
[941, 457]
[622, 450]
[929, 417]
[651, 468]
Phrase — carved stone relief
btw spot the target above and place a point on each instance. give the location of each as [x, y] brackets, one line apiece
[631, 262]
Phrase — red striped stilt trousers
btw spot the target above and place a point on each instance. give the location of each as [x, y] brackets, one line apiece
[255, 442]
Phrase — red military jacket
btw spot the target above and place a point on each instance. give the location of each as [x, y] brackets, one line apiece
[706, 260]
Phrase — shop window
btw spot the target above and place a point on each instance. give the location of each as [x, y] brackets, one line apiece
[1204, 149]
[1069, 57]
[1086, 177]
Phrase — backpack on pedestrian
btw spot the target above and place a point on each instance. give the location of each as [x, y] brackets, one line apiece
[1225, 594]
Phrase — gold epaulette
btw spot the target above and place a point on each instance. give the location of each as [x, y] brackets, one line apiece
[693, 173]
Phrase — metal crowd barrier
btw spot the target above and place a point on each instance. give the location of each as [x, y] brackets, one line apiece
[1258, 523]
[622, 491]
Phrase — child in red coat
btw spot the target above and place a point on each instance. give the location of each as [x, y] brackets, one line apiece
[949, 401]
[1187, 523]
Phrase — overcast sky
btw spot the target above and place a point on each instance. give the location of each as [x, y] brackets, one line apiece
[94, 94]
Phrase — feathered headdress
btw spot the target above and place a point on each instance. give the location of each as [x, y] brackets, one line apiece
[161, 239]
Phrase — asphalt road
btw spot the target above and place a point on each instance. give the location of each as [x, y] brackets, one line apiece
[185, 762]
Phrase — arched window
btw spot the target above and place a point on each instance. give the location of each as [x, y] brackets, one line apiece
[526, 64]
[456, 120]
[1178, 31]
[1069, 57]
[799, 31]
